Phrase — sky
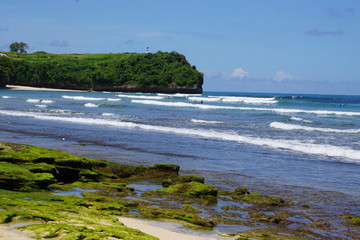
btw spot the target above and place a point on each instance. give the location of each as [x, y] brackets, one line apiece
[268, 46]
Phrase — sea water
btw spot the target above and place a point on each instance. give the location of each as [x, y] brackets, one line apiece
[274, 143]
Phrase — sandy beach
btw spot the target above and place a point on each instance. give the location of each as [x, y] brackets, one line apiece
[8, 233]
[16, 87]
[147, 226]
[153, 228]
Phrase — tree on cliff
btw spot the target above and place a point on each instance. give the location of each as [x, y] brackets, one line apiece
[18, 47]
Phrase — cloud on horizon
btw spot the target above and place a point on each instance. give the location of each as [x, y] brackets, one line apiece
[281, 76]
[4, 29]
[317, 32]
[59, 43]
[239, 73]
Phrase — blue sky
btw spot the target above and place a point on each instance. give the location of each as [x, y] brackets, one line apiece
[280, 46]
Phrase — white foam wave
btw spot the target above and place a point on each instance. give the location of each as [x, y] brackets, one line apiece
[6, 97]
[91, 105]
[141, 97]
[33, 100]
[185, 95]
[345, 153]
[108, 114]
[278, 110]
[250, 100]
[82, 98]
[285, 126]
[113, 99]
[204, 99]
[205, 121]
[41, 105]
[300, 119]
[46, 101]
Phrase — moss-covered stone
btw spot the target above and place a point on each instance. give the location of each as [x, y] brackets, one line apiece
[192, 189]
[351, 219]
[182, 179]
[273, 234]
[179, 214]
[261, 200]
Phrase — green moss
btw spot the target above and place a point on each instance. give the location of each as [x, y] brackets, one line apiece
[352, 219]
[44, 179]
[261, 200]
[182, 179]
[190, 209]
[278, 218]
[179, 214]
[192, 189]
[272, 234]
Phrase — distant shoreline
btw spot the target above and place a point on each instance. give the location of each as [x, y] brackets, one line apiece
[26, 88]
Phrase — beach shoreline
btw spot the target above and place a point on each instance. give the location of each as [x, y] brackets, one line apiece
[26, 88]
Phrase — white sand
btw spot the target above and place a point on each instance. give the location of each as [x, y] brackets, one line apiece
[149, 227]
[15, 87]
[7, 233]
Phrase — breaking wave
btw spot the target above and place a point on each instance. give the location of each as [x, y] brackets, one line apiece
[278, 110]
[301, 120]
[33, 100]
[250, 100]
[345, 153]
[82, 98]
[91, 105]
[205, 121]
[140, 97]
[285, 126]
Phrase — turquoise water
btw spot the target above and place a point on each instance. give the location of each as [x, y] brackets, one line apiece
[284, 144]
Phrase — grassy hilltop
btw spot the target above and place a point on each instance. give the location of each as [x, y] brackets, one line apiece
[143, 72]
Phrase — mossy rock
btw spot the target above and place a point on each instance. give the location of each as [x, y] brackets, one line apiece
[182, 179]
[44, 179]
[241, 191]
[179, 214]
[6, 216]
[192, 189]
[16, 153]
[14, 177]
[261, 200]
[275, 219]
[190, 209]
[80, 162]
[352, 219]
[41, 168]
[273, 234]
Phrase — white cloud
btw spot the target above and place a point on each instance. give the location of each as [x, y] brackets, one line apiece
[239, 73]
[281, 76]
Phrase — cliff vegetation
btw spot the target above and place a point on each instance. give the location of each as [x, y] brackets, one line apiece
[143, 72]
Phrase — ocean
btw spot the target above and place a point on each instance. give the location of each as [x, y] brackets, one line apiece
[298, 146]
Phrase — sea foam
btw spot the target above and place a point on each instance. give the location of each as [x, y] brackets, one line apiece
[285, 126]
[277, 110]
[91, 105]
[140, 97]
[205, 121]
[250, 100]
[344, 153]
[82, 98]
[33, 100]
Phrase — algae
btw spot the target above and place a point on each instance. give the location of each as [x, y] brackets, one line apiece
[29, 176]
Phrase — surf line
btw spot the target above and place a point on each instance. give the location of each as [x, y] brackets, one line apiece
[280, 110]
[345, 153]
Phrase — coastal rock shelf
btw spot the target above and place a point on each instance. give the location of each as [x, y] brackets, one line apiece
[62, 196]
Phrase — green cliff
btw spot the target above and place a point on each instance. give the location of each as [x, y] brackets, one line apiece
[131, 72]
